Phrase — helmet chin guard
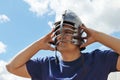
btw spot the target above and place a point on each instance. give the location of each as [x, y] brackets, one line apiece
[71, 19]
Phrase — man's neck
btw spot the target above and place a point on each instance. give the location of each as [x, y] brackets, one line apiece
[71, 55]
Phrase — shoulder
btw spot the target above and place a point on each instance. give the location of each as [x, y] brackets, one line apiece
[106, 59]
[41, 60]
[102, 54]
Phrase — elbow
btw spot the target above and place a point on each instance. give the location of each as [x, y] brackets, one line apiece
[10, 68]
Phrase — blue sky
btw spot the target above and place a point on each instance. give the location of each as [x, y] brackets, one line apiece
[23, 28]
[24, 21]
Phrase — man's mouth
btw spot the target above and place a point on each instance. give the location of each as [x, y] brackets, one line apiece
[61, 42]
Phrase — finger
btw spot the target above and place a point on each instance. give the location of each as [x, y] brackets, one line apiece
[53, 35]
[85, 44]
[51, 48]
[84, 28]
[84, 37]
[51, 32]
[50, 35]
[51, 42]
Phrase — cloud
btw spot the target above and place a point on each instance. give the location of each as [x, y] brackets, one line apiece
[2, 47]
[4, 18]
[5, 75]
[50, 23]
[114, 76]
[108, 19]
[102, 15]
[39, 7]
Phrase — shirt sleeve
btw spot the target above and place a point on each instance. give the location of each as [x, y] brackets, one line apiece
[34, 68]
[108, 58]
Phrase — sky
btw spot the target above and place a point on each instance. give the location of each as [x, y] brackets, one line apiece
[24, 21]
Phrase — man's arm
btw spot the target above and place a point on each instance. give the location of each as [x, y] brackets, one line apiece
[118, 63]
[18, 65]
[109, 41]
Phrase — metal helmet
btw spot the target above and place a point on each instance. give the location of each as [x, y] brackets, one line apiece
[70, 18]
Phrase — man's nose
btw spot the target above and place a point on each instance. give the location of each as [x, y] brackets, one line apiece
[62, 36]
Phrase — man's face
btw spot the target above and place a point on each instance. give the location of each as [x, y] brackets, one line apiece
[64, 38]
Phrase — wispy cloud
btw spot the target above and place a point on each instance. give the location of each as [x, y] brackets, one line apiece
[39, 7]
[4, 18]
[50, 23]
[5, 75]
[102, 15]
[2, 47]
[114, 76]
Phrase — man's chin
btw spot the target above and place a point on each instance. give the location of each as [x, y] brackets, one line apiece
[62, 48]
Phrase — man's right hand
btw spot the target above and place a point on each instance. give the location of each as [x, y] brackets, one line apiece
[44, 42]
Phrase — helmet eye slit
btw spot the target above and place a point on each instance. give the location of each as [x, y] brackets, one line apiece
[64, 31]
[68, 31]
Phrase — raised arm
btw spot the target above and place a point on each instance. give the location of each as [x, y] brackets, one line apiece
[18, 64]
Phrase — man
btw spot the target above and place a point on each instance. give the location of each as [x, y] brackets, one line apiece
[74, 65]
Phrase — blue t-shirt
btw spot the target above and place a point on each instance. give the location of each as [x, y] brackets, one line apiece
[90, 66]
